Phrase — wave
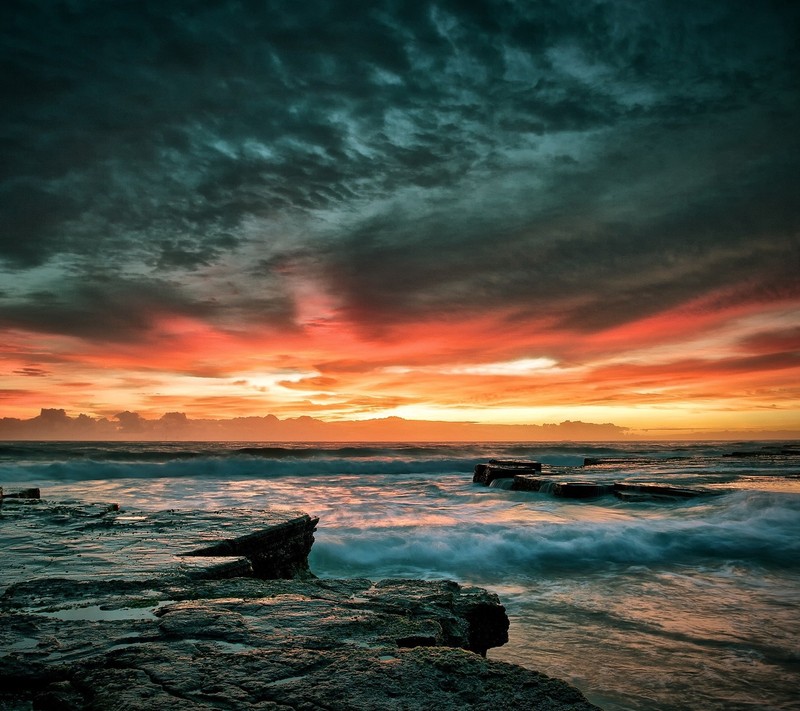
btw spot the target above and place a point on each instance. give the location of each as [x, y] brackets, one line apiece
[111, 451]
[752, 529]
[230, 468]
[246, 463]
[166, 451]
[551, 453]
[345, 452]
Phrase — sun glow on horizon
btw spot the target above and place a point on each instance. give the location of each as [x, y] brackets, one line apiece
[467, 247]
[738, 371]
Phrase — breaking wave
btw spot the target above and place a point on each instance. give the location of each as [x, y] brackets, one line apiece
[230, 468]
[751, 528]
[648, 587]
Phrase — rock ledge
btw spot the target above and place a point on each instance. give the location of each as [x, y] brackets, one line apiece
[174, 640]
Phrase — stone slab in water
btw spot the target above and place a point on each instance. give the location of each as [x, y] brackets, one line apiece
[517, 464]
[631, 490]
[580, 489]
[502, 469]
[20, 494]
[528, 483]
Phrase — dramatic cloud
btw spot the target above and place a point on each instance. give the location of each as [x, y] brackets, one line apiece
[210, 190]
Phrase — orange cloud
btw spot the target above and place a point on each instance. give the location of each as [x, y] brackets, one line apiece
[496, 366]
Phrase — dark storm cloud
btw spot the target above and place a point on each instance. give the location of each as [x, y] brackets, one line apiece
[689, 194]
[99, 308]
[433, 156]
[639, 234]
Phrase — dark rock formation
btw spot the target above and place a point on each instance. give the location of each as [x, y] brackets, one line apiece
[280, 551]
[523, 480]
[478, 623]
[479, 474]
[502, 469]
[21, 494]
[144, 544]
[516, 464]
[627, 461]
[186, 632]
[265, 644]
[580, 489]
[529, 483]
[785, 450]
[633, 491]
[195, 677]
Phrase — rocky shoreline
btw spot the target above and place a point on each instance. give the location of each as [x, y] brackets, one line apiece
[527, 476]
[236, 620]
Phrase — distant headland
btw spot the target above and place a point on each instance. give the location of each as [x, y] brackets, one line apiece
[56, 424]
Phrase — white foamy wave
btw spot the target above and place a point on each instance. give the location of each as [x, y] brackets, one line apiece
[231, 468]
[755, 529]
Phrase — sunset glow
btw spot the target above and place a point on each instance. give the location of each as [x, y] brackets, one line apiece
[656, 374]
[461, 220]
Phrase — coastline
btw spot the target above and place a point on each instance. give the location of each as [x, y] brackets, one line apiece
[677, 603]
[239, 618]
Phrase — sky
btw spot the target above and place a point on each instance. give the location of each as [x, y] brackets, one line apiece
[499, 212]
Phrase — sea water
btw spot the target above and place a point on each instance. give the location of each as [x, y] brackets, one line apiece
[643, 605]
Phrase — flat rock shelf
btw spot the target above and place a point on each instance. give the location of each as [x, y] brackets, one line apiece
[526, 476]
[106, 610]
[79, 541]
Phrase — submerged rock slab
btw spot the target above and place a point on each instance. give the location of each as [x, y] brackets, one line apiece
[20, 494]
[635, 491]
[782, 450]
[581, 489]
[519, 479]
[502, 469]
[530, 483]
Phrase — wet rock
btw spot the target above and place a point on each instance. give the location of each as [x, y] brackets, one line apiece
[517, 464]
[216, 567]
[416, 679]
[141, 637]
[581, 489]
[528, 483]
[279, 551]
[475, 619]
[626, 461]
[137, 544]
[479, 474]
[59, 696]
[334, 644]
[502, 469]
[627, 491]
[785, 450]
[21, 494]
[632, 491]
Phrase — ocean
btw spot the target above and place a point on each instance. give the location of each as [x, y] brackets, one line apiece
[642, 604]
